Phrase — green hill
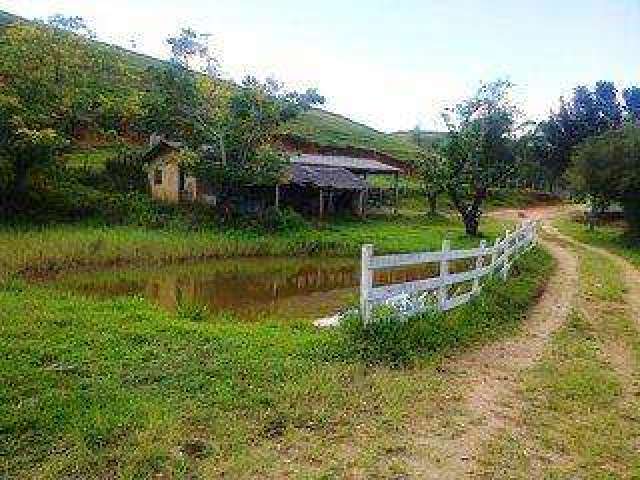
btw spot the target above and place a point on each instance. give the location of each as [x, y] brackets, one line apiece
[429, 137]
[332, 130]
[317, 126]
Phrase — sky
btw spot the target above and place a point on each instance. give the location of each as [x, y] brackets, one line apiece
[389, 64]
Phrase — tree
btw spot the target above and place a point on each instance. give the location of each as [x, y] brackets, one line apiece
[430, 169]
[588, 113]
[24, 147]
[606, 168]
[631, 97]
[246, 155]
[228, 130]
[479, 150]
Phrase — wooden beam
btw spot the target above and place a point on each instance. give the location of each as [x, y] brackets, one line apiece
[321, 209]
[395, 193]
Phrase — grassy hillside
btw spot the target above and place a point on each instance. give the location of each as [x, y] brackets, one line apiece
[330, 129]
[430, 137]
[317, 126]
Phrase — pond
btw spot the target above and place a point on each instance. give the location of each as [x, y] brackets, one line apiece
[248, 288]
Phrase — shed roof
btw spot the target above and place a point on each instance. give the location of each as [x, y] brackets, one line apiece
[324, 177]
[353, 164]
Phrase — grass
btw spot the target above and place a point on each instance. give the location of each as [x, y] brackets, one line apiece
[581, 402]
[63, 247]
[610, 236]
[332, 130]
[118, 388]
[91, 157]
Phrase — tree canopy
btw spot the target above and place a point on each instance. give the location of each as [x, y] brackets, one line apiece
[479, 152]
[606, 168]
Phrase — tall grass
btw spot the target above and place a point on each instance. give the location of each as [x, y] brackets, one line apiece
[64, 247]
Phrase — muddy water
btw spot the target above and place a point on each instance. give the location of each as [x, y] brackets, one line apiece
[250, 288]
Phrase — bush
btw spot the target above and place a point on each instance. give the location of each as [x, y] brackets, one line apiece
[389, 339]
[275, 219]
[126, 172]
[191, 312]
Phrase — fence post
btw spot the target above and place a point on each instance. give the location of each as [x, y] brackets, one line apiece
[534, 233]
[366, 283]
[507, 247]
[479, 265]
[494, 254]
[443, 290]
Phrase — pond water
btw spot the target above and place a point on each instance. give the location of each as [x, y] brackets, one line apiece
[248, 288]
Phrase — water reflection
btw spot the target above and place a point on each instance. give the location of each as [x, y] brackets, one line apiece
[249, 288]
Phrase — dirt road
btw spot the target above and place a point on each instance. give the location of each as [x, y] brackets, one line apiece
[486, 383]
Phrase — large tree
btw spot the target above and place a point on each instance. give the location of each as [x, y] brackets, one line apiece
[606, 168]
[479, 151]
[587, 113]
[237, 124]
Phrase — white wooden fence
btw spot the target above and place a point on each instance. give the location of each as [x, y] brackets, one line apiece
[488, 260]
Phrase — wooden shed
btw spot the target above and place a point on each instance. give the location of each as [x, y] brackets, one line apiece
[313, 184]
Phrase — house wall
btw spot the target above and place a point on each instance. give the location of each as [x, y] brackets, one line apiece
[169, 189]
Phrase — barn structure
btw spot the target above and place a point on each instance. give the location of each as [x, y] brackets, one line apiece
[313, 184]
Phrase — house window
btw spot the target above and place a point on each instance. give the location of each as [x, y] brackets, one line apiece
[157, 176]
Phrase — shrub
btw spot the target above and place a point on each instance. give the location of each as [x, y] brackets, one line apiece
[389, 339]
[126, 172]
[280, 219]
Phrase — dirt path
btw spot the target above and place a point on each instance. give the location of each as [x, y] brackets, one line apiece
[487, 378]
[630, 274]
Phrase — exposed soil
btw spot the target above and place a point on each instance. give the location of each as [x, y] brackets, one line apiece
[487, 378]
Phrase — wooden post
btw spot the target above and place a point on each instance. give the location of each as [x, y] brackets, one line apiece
[494, 254]
[366, 194]
[330, 203]
[366, 283]
[396, 194]
[321, 209]
[443, 290]
[479, 265]
[361, 203]
[277, 196]
[507, 247]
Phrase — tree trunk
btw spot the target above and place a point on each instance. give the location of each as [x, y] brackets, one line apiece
[432, 200]
[471, 224]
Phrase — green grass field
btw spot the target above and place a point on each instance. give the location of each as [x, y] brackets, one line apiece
[121, 389]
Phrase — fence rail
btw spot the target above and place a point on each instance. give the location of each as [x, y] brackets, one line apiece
[489, 260]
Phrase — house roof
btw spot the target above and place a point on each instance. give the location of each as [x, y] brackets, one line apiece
[353, 164]
[323, 177]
